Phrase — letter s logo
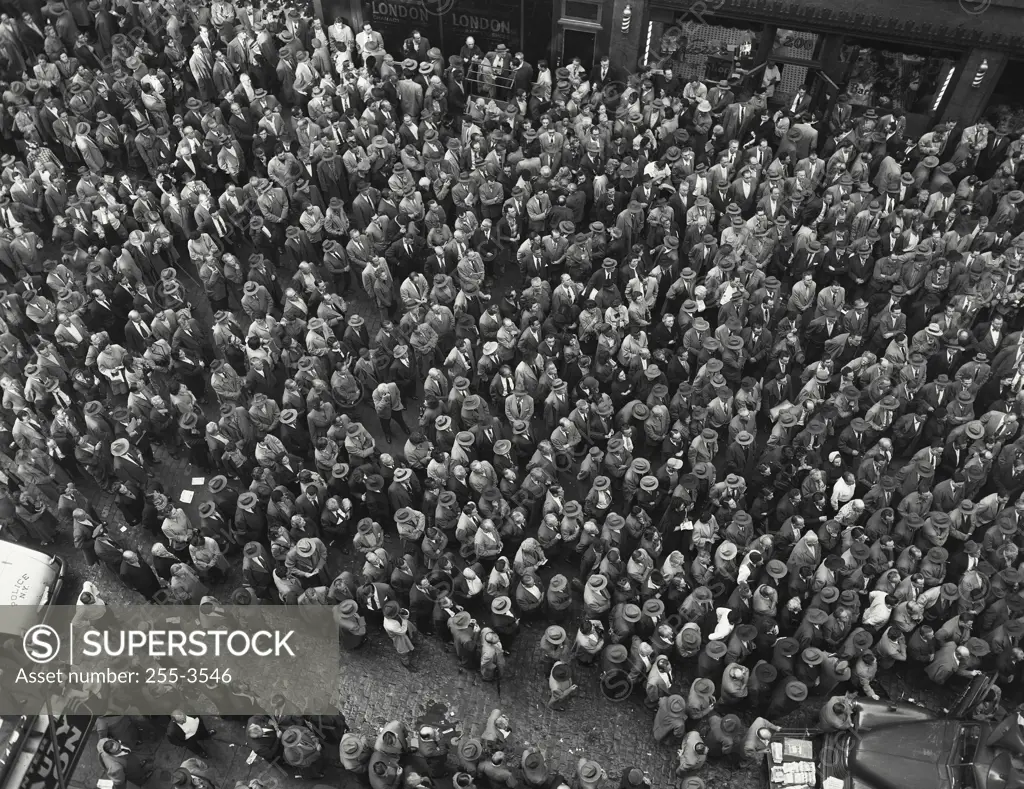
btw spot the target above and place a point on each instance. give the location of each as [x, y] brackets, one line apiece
[41, 643]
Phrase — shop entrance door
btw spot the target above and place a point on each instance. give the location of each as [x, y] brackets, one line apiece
[580, 44]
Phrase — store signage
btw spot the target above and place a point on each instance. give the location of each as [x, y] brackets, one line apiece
[398, 11]
[794, 44]
[396, 19]
[489, 23]
[480, 24]
[860, 93]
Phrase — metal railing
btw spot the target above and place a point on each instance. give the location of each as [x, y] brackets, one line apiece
[495, 85]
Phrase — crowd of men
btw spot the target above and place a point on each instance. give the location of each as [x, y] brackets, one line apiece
[740, 382]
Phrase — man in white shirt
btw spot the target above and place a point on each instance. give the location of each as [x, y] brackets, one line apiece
[879, 609]
[843, 490]
[365, 36]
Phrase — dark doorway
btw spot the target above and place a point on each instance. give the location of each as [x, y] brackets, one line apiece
[578, 44]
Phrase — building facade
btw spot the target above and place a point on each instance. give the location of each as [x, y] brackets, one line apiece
[936, 60]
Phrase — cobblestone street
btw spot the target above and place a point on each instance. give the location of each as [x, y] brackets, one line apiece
[373, 689]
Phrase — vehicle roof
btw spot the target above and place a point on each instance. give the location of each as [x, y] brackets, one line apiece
[905, 756]
[18, 565]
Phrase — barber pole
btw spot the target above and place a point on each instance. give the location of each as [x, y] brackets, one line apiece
[979, 75]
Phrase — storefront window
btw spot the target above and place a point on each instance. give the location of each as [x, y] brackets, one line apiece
[708, 51]
[1006, 105]
[888, 78]
[795, 45]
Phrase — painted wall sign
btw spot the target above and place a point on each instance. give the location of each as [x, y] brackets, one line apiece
[396, 19]
[489, 23]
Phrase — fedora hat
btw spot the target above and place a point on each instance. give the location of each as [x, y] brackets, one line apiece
[937, 555]
[796, 690]
[501, 605]
[829, 594]
[555, 635]
[590, 771]
[776, 569]
[351, 746]
[689, 638]
[812, 656]
[978, 647]
[561, 672]
[534, 768]
[470, 749]
[949, 592]
[746, 632]
[598, 582]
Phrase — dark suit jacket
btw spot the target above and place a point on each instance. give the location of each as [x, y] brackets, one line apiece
[613, 75]
[309, 509]
[404, 375]
[267, 384]
[399, 496]
[131, 473]
[746, 204]
[401, 262]
[134, 340]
